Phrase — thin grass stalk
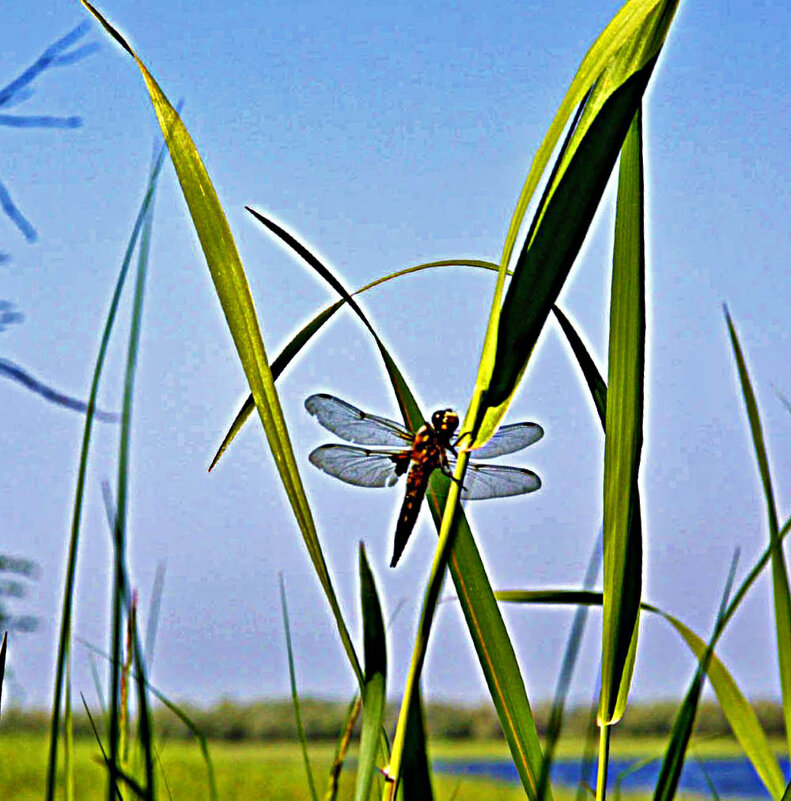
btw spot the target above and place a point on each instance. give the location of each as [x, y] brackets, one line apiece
[64, 638]
[68, 750]
[97, 737]
[3, 651]
[603, 762]
[303, 741]
[122, 504]
[342, 748]
[780, 590]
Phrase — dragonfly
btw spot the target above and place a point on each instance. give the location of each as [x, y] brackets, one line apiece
[395, 451]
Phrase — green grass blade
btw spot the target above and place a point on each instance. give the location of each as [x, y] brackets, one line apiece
[303, 740]
[780, 589]
[614, 80]
[68, 739]
[120, 517]
[304, 335]
[64, 638]
[624, 426]
[681, 732]
[341, 748]
[280, 363]
[741, 716]
[416, 782]
[476, 597]
[236, 301]
[3, 652]
[374, 691]
[566, 673]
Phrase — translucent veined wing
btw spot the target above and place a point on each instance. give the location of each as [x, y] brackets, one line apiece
[509, 439]
[482, 481]
[359, 466]
[354, 425]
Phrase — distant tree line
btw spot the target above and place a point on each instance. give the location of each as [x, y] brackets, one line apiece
[274, 720]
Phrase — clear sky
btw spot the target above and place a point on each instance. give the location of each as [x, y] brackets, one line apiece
[385, 134]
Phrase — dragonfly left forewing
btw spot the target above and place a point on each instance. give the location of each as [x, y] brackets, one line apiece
[360, 466]
[355, 425]
[482, 481]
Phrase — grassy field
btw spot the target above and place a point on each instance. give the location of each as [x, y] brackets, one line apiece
[246, 771]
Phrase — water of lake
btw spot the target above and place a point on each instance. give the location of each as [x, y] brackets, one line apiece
[735, 778]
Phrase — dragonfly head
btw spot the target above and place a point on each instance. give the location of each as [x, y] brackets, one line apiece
[445, 422]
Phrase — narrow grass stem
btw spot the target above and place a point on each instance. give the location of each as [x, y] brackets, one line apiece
[427, 611]
[604, 758]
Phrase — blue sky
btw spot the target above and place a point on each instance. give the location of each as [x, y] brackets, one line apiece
[386, 135]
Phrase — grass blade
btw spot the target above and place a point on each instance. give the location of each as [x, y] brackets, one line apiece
[741, 716]
[303, 741]
[234, 295]
[68, 749]
[476, 597]
[611, 83]
[3, 652]
[780, 589]
[280, 363]
[680, 734]
[375, 688]
[624, 434]
[416, 784]
[120, 517]
[64, 639]
[342, 747]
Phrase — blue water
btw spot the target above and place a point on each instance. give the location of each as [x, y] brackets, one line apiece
[735, 778]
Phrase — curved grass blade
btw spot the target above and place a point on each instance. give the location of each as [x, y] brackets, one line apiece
[680, 734]
[741, 717]
[627, 52]
[71, 566]
[780, 589]
[623, 546]
[279, 364]
[476, 597]
[375, 687]
[303, 741]
[304, 335]
[233, 292]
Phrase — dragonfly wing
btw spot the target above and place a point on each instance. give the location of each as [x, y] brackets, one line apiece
[509, 439]
[355, 425]
[358, 466]
[483, 481]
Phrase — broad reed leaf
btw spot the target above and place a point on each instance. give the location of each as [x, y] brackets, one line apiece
[375, 688]
[64, 639]
[780, 589]
[741, 716]
[476, 597]
[624, 435]
[416, 782]
[292, 675]
[236, 301]
[681, 732]
[610, 83]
